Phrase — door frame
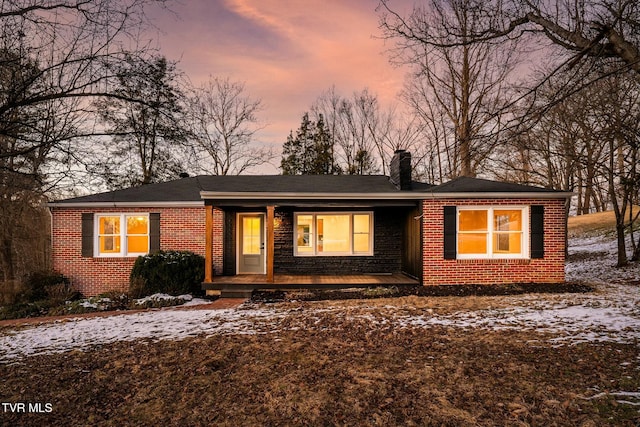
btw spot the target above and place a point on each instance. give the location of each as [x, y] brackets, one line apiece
[239, 239]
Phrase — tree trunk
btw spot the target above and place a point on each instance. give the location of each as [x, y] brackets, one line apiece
[622, 250]
[6, 256]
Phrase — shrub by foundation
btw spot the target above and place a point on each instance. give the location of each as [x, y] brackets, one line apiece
[170, 272]
[25, 309]
[40, 293]
[44, 284]
[61, 292]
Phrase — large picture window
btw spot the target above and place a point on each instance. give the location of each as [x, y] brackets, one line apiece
[333, 234]
[494, 232]
[122, 234]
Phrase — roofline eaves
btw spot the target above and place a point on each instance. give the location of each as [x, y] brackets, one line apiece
[422, 195]
[177, 204]
[308, 196]
[502, 195]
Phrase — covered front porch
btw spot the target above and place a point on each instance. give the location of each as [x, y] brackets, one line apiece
[288, 244]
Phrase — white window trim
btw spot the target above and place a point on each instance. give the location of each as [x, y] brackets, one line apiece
[526, 232]
[123, 235]
[314, 234]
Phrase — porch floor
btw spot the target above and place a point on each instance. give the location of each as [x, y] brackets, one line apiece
[291, 281]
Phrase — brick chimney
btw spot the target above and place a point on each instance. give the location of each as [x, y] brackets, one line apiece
[400, 170]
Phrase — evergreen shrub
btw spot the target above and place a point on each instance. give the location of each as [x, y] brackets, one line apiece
[39, 285]
[169, 272]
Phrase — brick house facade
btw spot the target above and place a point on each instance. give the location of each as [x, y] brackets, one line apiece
[547, 269]
[181, 228]
[467, 231]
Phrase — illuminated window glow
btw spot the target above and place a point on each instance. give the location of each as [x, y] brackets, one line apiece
[122, 234]
[251, 235]
[109, 234]
[333, 234]
[495, 232]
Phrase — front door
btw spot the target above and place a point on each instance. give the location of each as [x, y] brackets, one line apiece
[251, 251]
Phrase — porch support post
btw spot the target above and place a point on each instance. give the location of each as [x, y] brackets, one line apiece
[208, 243]
[270, 242]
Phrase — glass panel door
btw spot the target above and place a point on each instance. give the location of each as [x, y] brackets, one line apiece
[251, 250]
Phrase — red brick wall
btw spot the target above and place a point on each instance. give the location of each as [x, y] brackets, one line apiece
[180, 229]
[437, 270]
[184, 229]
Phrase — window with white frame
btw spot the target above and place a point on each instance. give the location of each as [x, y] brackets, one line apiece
[492, 232]
[333, 233]
[121, 235]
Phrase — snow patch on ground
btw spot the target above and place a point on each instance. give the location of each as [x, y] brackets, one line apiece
[162, 297]
[593, 259]
[610, 314]
[83, 333]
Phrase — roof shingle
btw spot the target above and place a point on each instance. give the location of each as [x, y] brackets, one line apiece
[189, 189]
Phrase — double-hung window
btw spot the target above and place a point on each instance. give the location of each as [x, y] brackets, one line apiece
[492, 232]
[121, 235]
[333, 234]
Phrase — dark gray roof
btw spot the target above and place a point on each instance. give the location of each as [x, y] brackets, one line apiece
[465, 184]
[299, 184]
[188, 189]
[181, 190]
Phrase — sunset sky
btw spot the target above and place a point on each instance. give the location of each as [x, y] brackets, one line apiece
[286, 52]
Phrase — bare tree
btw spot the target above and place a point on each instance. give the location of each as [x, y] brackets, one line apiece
[399, 130]
[347, 121]
[224, 122]
[72, 46]
[587, 143]
[452, 78]
[559, 150]
[364, 135]
[601, 29]
[55, 57]
[144, 119]
[617, 117]
[575, 124]
[602, 36]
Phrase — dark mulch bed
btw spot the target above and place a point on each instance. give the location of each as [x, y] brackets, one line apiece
[424, 291]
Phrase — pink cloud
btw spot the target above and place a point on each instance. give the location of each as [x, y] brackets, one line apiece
[287, 53]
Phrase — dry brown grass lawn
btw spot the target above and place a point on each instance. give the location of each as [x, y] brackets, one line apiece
[327, 367]
[595, 223]
[335, 371]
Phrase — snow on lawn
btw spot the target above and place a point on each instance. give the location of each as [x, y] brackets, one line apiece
[82, 333]
[189, 299]
[610, 314]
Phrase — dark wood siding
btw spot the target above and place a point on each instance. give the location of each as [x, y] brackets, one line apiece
[229, 243]
[412, 243]
[387, 252]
